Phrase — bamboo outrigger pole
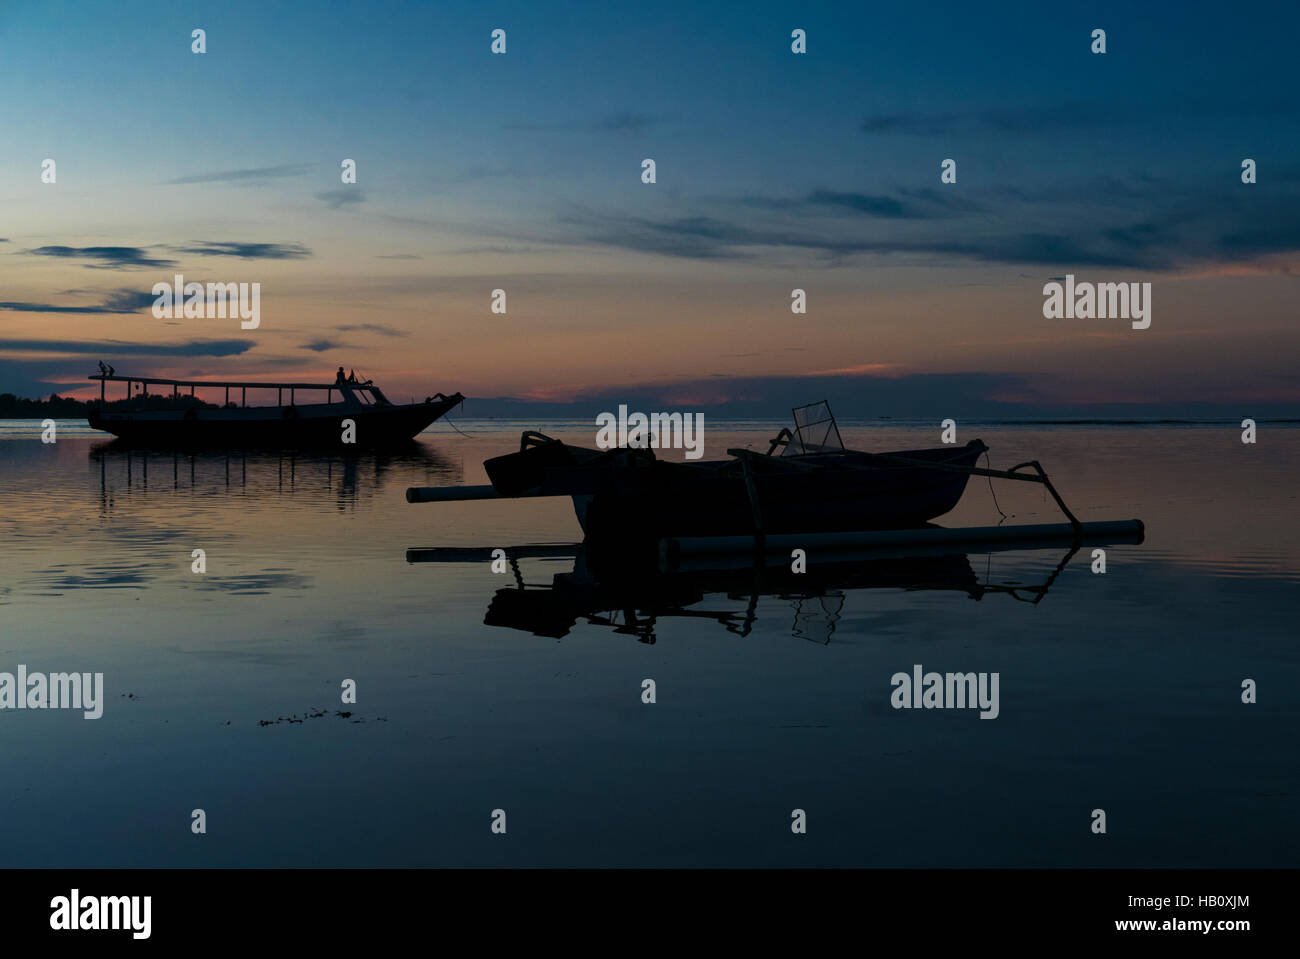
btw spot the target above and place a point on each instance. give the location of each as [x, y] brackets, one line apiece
[450, 494]
[673, 551]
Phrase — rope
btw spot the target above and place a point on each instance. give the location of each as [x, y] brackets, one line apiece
[988, 465]
[447, 419]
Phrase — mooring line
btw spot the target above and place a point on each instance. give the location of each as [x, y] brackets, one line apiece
[988, 465]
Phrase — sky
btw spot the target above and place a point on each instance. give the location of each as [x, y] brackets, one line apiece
[522, 171]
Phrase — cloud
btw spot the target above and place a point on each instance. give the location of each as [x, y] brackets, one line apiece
[396, 256]
[109, 257]
[129, 301]
[1253, 241]
[343, 196]
[492, 249]
[909, 204]
[249, 251]
[118, 348]
[942, 202]
[321, 345]
[861, 369]
[704, 238]
[711, 238]
[475, 173]
[624, 121]
[873, 205]
[1135, 223]
[863, 203]
[853, 392]
[1019, 120]
[868, 392]
[252, 174]
[693, 237]
[1048, 118]
[15, 306]
[372, 328]
[1052, 248]
[619, 122]
[121, 301]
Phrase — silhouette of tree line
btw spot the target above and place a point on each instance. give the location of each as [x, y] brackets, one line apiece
[18, 407]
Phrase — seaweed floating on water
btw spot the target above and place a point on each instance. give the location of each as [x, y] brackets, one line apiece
[312, 713]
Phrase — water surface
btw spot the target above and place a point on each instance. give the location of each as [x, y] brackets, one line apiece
[1119, 691]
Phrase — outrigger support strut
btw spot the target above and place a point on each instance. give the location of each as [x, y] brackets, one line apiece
[1042, 474]
[1010, 474]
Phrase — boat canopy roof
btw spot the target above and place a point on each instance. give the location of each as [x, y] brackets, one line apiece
[151, 380]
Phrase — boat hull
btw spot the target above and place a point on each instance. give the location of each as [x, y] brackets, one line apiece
[303, 427]
[627, 494]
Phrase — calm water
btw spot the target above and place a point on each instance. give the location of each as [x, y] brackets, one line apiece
[1119, 691]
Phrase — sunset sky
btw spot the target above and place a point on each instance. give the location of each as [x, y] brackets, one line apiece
[522, 171]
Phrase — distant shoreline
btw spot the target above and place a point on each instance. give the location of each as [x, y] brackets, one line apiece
[766, 421]
[56, 407]
[19, 408]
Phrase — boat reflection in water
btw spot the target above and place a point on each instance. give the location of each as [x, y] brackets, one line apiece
[347, 479]
[631, 598]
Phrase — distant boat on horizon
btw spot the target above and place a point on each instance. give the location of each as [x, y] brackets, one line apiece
[362, 417]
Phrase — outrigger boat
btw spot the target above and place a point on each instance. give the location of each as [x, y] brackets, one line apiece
[376, 421]
[806, 490]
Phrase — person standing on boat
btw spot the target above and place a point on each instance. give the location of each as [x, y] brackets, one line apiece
[339, 377]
